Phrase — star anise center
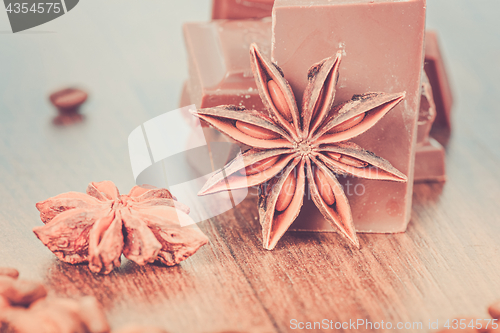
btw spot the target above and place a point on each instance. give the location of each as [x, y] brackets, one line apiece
[120, 202]
[304, 148]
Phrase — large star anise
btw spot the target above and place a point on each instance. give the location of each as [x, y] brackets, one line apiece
[99, 226]
[292, 147]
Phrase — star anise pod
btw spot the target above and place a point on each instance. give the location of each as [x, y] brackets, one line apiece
[292, 147]
[99, 226]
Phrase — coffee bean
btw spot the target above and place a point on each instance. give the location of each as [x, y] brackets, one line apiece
[68, 99]
[67, 102]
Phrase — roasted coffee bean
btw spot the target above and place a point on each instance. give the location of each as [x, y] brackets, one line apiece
[68, 99]
[67, 102]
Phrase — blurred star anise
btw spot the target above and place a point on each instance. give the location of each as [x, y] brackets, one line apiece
[292, 147]
[99, 226]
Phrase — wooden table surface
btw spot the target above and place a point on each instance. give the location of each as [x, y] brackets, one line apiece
[130, 56]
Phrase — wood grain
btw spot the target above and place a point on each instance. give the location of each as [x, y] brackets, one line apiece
[133, 63]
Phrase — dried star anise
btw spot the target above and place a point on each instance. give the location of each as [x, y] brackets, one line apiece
[99, 226]
[292, 147]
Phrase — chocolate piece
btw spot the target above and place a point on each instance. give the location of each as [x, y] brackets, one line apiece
[185, 99]
[430, 162]
[427, 111]
[382, 44]
[241, 9]
[436, 71]
[219, 65]
[430, 155]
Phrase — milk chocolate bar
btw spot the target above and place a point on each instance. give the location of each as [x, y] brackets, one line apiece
[382, 42]
[430, 155]
[438, 78]
[241, 9]
[219, 63]
[430, 162]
